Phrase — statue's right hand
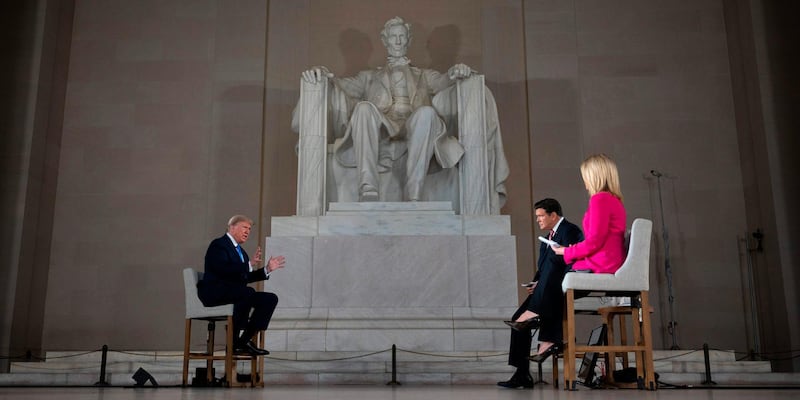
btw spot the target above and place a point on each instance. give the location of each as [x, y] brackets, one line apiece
[316, 74]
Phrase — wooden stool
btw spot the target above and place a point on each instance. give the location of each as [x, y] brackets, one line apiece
[630, 280]
[195, 310]
[642, 346]
[608, 314]
[228, 356]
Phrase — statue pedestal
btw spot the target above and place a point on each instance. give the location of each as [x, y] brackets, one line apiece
[366, 276]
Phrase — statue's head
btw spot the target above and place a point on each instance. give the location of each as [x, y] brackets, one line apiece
[396, 36]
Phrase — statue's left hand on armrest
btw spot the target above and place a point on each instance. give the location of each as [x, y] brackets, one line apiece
[460, 71]
[316, 74]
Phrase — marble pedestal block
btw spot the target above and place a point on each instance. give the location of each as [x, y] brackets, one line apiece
[369, 275]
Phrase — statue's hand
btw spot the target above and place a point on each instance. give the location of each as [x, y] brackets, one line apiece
[316, 74]
[460, 71]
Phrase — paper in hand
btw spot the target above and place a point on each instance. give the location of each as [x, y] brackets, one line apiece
[548, 241]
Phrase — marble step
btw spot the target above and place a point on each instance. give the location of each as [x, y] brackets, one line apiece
[391, 208]
[66, 368]
[332, 377]
[391, 224]
[731, 379]
[668, 361]
[277, 365]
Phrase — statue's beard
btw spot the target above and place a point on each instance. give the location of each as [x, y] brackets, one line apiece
[394, 52]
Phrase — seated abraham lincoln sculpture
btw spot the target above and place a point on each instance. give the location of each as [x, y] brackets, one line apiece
[399, 133]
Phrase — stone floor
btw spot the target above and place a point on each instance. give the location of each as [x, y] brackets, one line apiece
[381, 392]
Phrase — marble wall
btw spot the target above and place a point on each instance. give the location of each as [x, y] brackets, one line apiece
[649, 84]
[162, 126]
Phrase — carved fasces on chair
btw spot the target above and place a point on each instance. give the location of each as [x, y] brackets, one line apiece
[474, 170]
[472, 143]
[312, 111]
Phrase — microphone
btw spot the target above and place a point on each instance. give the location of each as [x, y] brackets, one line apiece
[655, 173]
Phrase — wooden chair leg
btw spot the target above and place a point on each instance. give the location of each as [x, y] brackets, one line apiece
[623, 339]
[256, 362]
[212, 329]
[555, 371]
[569, 342]
[610, 357]
[229, 378]
[647, 337]
[187, 337]
[258, 378]
[636, 325]
[253, 371]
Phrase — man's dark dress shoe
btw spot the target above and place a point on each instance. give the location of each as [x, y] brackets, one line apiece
[250, 348]
[531, 323]
[517, 381]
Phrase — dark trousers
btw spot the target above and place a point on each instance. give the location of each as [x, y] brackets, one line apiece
[520, 348]
[262, 305]
[252, 310]
[550, 330]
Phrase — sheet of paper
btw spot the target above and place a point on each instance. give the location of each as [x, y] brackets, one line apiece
[548, 241]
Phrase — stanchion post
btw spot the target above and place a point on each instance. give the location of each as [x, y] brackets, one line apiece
[102, 381]
[394, 381]
[708, 380]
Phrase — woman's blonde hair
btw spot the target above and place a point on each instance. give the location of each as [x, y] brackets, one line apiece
[599, 173]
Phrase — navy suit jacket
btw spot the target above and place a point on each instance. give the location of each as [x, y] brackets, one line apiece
[547, 297]
[225, 273]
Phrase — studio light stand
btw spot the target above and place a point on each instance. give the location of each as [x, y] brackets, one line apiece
[758, 235]
[672, 328]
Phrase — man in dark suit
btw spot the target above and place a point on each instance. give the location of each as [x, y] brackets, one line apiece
[544, 306]
[228, 270]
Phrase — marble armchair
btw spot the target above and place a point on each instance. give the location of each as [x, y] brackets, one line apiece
[474, 186]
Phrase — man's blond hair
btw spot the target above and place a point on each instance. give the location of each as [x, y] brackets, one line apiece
[239, 218]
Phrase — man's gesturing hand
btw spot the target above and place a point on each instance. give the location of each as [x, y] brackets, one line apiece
[275, 263]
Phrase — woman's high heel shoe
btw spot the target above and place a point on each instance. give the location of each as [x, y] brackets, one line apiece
[541, 357]
[532, 323]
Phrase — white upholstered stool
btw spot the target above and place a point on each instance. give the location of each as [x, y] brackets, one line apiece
[196, 310]
[632, 279]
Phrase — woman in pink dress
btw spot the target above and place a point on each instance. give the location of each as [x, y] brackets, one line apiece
[603, 249]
